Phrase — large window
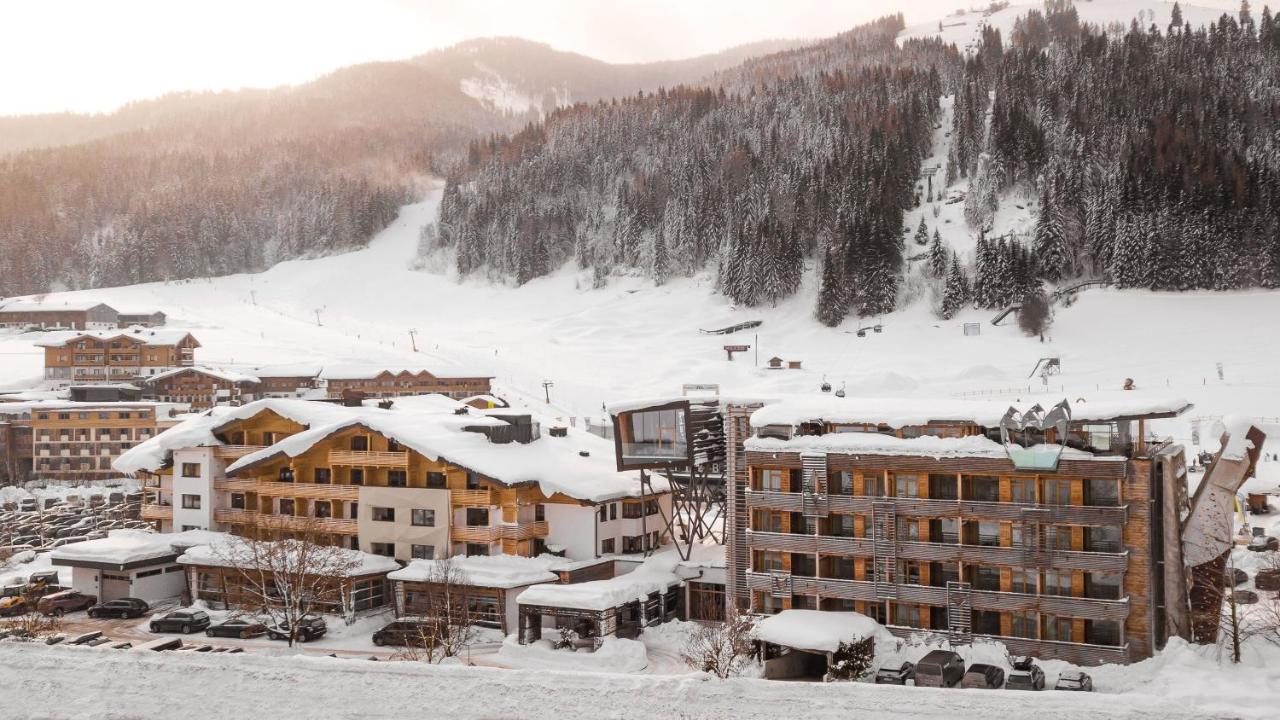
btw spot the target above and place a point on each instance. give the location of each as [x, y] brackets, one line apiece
[397, 478]
[1057, 491]
[1022, 490]
[190, 470]
[1102, 493]
[383, 514]
[387, 549]
[906, 486]
[943, 487]
[873, 484]
[608, 546]
[840, 483]
[653, 436]
[770, 480]
[982, 488]
[423, 518]
[766, 521]
[436, 481]
[191, 502]
[1023, 580]
[477, 517]
[422, 552]
[766, 560]
[237, 501]
[1056, 582]
[322, 476]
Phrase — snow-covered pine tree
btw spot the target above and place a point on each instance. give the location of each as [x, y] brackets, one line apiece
[955, 294]
[1050, 246]
[938, 257]
[832, 304]
[658, 269]
[922, 233]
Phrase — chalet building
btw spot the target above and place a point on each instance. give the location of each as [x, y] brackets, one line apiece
[383, 382]
[201, 387]
[287, 381]
[115, 356]
[67, 440]
[70, 315]
[105, 392]
[142, 319]
[424, 478]
[1042, 530]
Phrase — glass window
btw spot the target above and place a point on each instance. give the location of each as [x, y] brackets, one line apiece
[1056, 628]
[943, 487]
[766, 521]
[873, 484]
[767, 561]
[1056, 582]
[769, 480]
[357, 476]
[982, 488]
[840, 483]
[387, 549]
[237, 501]
[190, 470]
[1102, 493]
[539, 512]
[436, 480]
[397, 478]
[477, 517]
[1024, 625]
[191, 502]
[906, 486]
[607, 546]
[1023, 581]
[423, 518]
[422, 552]
[383, 514]
[1057, 492]
[322, 476]
[649, 436]
[1023, 490]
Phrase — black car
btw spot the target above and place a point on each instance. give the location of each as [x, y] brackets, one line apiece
[309, 628]
[1026, 675]
[243, 628]
[183, 621]
[404, 633]
[896, 674]
[121, 608]
[1074, 680]
[983, 677]
[940, 668]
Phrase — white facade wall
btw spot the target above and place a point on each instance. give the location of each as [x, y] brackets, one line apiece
[115, 584]
[201, 486]
[402, 532]
[572, 528]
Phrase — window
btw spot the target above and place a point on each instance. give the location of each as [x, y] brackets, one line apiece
[1024, 625]
[1102, 632]
[986, 578]
[237, 501]
[436, 481]
[360, 443]
[539, 512]
[908, 531]
[1101, 493]
[477, 517]
[1056, 582]
[474, 549]
[397, 478]
[613, 511]
[983, 488]
[769, 480]
[473, 483]
[607, 546]
[423, 518]
[909, 572]
[387, 549]
[633, 544]
[1056, 628]
[184, 529]
[840, 526]
[357, 476]
[632, 510]
[322, 476]
[1023, 490]
[323, 509]
[190, 470]
[1102, 586]
[383, 514]
[1057, 492]
[286, 506]
[766, 521]
[191, 502]
[906, 486]
[767, 560]
[422, 552]
[604, 513]
[1103, 538]
[906, 615]
[1057, 537]
[943, 487]
[841, 483]
[1023, 581]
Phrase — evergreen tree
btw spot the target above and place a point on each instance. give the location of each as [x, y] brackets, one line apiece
[956, 292]
[938, 257]
[922, 233]
[1050, 247]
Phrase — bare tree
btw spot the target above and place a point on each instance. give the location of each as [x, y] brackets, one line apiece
[27, 621]
[288, 580]
[721, 649]
[446, 630]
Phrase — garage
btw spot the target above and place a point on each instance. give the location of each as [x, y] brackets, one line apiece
[130, 563]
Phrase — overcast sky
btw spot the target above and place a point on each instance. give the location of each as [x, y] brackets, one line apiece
[94, 55]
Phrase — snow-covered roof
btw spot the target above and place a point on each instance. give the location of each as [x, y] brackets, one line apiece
[656, 574]
[857, 443]
[27, 406]
[900, 412]
[147, 336]
[492, 571]
[642, 403]
[820, 630]
[122, 547]
[230, 551]
[56, 306]
[227, 375]
[368, 372]
[288, 370]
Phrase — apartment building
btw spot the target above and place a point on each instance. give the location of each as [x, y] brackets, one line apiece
[68, 440]
[105, 356]
[73, 315]
[1042, 529]
[201, 387]
[426, 477]
[382, 382]
[286, 381]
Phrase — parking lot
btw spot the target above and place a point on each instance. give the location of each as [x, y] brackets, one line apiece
[43, 524]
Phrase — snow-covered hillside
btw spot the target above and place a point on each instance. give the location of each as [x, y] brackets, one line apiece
[634, 339]
[965, 31]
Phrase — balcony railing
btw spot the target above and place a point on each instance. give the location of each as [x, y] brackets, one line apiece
[368, 458]
[473, 498]
[236, 485]
[301, 523]
[156, 512]
[236, 517]
[315, 491]
[234, 452]
[923, 507]
[494, 533]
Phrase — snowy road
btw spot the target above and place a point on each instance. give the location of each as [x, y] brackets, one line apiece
[93, 683]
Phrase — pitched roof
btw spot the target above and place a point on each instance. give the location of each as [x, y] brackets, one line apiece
[54, 306]
[228, 375]
[369, 372]
[153, 337]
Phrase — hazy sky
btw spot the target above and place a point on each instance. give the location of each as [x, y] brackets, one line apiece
[93, 55]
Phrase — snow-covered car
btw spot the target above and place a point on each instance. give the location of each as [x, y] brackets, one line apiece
[13, 605]
[895, 674]
[1263, 543]
[1026, 675]
[1074, 680]
[242, 628]
[984, 677]
[183, 621]
[940, 668]
[309, 628]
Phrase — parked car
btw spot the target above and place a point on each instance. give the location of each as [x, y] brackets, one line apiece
[44, 577]
[309, 628]
[13, 605]
[121, 608]
[1026, 675]
[243, 628]
[895, 674]
[402, 632]
[1074, 680]
[984, 677]
[1263, 543]
[64, 601]
[940, 668]
[183, 621]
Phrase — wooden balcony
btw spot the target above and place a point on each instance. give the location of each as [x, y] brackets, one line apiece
[921, 508]
[473, 498]
[312, 491]
[236, 517]
[368, 458]
[307, 524]
[156, 512]
[234, 452]
[236, 485]
[793, 542]
[495, 533]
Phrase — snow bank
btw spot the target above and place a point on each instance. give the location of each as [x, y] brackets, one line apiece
[493, 571]
[615, 655]
[121, 547]
[819, 630]
[656, 574]
[230, 551]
